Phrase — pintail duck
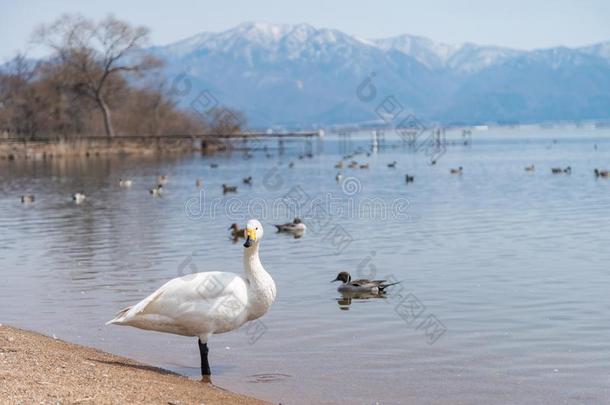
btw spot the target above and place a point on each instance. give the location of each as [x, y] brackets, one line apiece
[157, 190]
[125, 183]
[229, 189]
[182, 307]
[248, 180]
[293, 227]
[362, 285]
[392, 165]
[339, 165]
[456, 171]
[530, 168]
[353, 164]
[409, 179]
[364, 166]
[78, 197]
[27, 199]
[236, 232]
[601, 173]
[559, 170]
[199, 183]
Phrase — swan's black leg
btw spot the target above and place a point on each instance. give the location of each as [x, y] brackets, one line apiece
[203, 351]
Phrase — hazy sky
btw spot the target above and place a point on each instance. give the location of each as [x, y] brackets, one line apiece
[517, 23]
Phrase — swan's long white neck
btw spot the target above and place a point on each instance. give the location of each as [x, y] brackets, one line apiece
[261, 291]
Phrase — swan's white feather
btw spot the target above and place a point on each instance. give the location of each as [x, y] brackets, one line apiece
[193, 305]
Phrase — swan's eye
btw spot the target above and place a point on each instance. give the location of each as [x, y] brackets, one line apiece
[257, 229]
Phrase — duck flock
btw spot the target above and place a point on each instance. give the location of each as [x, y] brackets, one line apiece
[196, 304]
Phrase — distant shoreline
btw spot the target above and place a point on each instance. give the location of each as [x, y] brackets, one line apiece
[42, 148]
[38, 369]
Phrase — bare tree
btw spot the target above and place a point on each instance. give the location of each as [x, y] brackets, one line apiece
[225, 121]
[94, 53]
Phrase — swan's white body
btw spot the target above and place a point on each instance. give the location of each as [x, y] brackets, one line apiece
[203, 304]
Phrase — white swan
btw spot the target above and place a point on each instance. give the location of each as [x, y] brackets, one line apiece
[203, 304]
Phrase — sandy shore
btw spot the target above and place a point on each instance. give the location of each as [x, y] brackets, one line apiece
[38, 369]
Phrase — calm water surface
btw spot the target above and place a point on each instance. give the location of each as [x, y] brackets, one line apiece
[512, 266]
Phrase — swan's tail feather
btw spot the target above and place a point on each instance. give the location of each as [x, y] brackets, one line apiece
[120, 317]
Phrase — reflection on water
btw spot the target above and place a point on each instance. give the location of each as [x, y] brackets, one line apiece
[514, 264]
[346, 299]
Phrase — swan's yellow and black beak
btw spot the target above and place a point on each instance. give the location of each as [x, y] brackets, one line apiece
[250, 237]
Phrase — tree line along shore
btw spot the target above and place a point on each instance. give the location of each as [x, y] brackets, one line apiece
[98, 80]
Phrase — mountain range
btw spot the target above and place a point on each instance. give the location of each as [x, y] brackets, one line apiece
[300, 76]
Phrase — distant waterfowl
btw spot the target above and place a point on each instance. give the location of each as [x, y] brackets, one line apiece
[409, 179]
[203, 304]
[248, 180]
[601, 173]
[392, 165]
[156, 190]
[268, 155]
[291, 165]
[229, 189]
[27, 199]
[353, 164]
[295, 226]
[339, 177]
[530, 168]
[361, 285]
[236, 232]
[339, 165]
[559, 170]
[456, 171]
[199, 183]
[125, 183]
[213, 165]
[433, 162]
[78, 197]
[364, 166]
[162, 179]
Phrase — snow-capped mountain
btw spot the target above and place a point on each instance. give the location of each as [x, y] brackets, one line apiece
[299, 75]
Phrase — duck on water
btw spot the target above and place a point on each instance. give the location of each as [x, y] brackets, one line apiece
[182, 307]
[361, 286]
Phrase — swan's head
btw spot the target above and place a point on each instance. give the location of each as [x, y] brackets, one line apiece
[254, 233]
[343, 277]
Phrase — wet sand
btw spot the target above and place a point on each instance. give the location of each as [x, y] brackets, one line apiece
[39, 369]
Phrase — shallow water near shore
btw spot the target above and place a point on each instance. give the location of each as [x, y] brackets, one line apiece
[504, 295]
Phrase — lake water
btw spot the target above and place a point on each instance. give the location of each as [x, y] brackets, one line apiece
[505, 273]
